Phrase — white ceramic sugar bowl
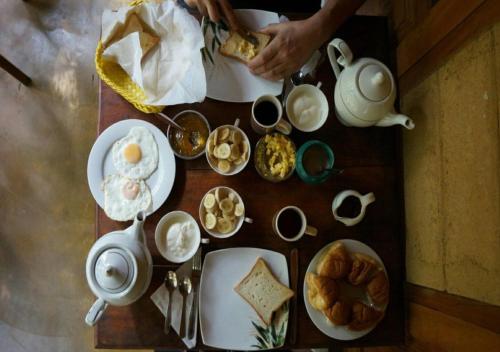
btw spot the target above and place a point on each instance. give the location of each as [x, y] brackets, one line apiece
[363, 200]
[365, 90]
[119, 268]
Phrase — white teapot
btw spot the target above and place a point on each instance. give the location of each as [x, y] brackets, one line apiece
[365, 90]
[119, 268]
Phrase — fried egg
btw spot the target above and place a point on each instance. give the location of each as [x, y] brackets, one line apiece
[124, 197]
[136, 155]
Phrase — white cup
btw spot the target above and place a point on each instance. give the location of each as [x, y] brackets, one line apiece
[304, 230]
[279, 125]
[314, 93]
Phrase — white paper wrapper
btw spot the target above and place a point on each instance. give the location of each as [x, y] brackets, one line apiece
[172, 73]
[160, 298]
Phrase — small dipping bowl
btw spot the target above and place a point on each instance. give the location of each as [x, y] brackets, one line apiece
[161, 231]
[260, 161]
[192, 121]
[322, 176]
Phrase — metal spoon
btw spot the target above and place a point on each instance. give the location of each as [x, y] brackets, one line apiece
[171, 122]
[185, 288]
[170, 285]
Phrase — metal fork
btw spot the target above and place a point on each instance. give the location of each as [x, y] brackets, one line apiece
[195, 279]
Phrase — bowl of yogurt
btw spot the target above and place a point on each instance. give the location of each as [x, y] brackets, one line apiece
[307, 107]
[177, 236]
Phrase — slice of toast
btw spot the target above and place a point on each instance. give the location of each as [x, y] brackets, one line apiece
[147, 38]
[238, 48]
[263, 291]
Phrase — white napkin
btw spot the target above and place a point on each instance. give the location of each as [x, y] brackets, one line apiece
[160, 298]
[173, 72]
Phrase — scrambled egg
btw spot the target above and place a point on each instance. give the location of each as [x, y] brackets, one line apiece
[280, 154]
[246, 49]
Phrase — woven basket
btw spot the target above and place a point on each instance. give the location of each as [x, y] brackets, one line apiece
[115, 77]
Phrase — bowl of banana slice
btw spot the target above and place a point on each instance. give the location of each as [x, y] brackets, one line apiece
[222, 212]
[228, 149]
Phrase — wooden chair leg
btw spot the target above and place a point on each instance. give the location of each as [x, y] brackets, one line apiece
[14, 71]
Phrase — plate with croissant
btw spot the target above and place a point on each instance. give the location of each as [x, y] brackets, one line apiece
[346, 289]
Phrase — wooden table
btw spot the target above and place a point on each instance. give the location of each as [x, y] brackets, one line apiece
[371, 158]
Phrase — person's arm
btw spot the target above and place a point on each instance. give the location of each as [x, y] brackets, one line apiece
[295, 41]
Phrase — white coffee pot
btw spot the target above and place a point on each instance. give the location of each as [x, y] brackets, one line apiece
[365, 90]
[119, 268]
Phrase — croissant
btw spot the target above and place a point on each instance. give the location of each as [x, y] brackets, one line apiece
[362, 268]
[363, 316]
[340, 313]
[378, 288]
[336, 263]
[323, 291]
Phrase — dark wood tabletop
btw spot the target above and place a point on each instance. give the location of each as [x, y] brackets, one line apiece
[371, 158]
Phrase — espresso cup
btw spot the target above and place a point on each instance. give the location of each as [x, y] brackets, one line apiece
[264, 122]
[283, 226]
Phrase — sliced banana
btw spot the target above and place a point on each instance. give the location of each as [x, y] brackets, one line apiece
[229, 217]
[236, 137]
[235, 151]
[224, 225]
[210, 146]
[244, 147]
[224, 165]
[210, 221]
[209, 201]
[239, 209]
[223, 151]
[216, 136]
[224, 134]
[227, 206]
[220, 194]
[239, 161]
[232, 196]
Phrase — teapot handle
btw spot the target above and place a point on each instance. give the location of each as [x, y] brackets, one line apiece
[345, 57]
[95, 312]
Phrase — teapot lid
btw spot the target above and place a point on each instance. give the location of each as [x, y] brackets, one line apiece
[114, 270]
[375, 82]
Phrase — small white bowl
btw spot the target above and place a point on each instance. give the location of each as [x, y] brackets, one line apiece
[239, 223]
[162, 227]
[237, 168]
[202, 117]
[307, 90]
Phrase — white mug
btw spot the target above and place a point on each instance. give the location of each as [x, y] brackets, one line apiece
[305, 229]
[307, 91]
[279, 125]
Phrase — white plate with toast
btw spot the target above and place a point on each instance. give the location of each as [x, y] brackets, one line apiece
[227, 320]
[229, 79]
[348, 292]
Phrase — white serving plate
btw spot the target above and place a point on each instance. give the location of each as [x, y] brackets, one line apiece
[100, 163]
[229, 79]
[317, 317]
[226, 319]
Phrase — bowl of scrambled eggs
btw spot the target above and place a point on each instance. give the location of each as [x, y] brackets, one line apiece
[274, 157]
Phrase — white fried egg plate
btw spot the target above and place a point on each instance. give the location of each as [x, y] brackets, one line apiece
[152, 160]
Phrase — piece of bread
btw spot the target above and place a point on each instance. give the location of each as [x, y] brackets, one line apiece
[362, 269]
[378, 288]
[339, 313]
[364, 316]
[147, 38]
[336, 263]
[322, 291]
[263, 291]
[238, 48]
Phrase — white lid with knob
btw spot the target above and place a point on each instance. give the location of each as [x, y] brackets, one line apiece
[114, 270]
[374, 82]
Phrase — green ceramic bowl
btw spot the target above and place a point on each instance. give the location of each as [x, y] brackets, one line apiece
[321, 177]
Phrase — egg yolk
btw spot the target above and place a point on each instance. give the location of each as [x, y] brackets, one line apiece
[130, 190]
[132, 153]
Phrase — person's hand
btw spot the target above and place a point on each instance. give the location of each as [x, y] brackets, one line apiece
[215, 10]
[292, 45]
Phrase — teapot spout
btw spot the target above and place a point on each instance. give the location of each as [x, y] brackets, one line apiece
[136, 230]
[392, 119]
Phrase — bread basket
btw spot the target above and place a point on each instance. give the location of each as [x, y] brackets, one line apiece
[115, 77]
